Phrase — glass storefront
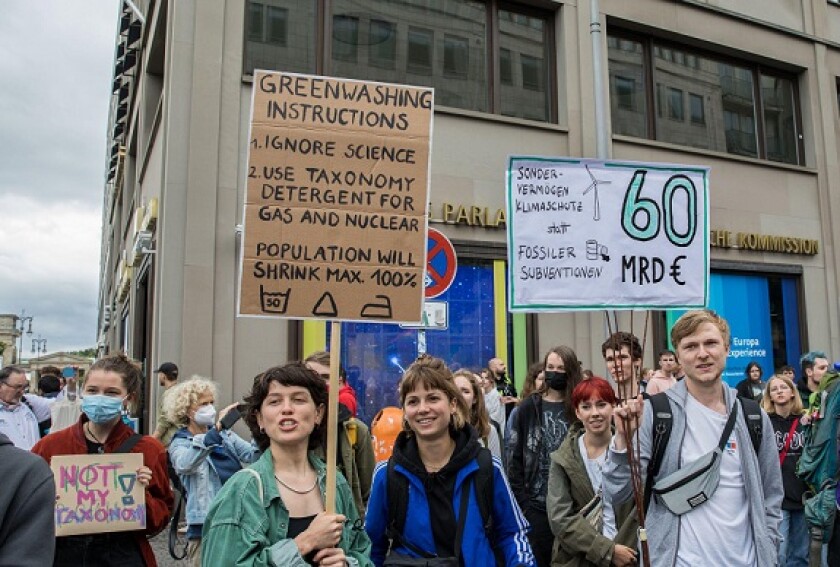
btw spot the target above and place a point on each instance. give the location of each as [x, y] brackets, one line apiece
[763, 314]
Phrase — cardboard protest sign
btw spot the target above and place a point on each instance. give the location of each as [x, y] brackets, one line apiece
[336, 200]
[98, 493]
[586, 234]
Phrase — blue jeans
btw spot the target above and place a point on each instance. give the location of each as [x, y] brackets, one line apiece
[793, 551]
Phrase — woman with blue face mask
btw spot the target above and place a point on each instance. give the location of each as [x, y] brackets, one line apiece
[111, 385]
[203, 452]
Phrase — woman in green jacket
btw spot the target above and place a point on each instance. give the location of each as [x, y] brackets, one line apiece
[584, 538]
[273, 513]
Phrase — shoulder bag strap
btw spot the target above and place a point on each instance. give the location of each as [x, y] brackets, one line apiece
[788, 441]
[663, 421]
[129, 444]
[730, 425]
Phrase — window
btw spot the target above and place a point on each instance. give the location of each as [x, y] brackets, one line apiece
[505, 66]
[456, 56]
[675, 104]
[531, 72]
[255, 21]
[279, 34]
[276, 25]
[420, 44]
[695, 109]
[476, 54]
[628, 96]
[625, 92]
[345, 38]
[383, 44]
[733, 106]
[526, 34]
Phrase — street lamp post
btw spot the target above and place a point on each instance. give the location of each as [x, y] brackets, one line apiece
[39, 346]
[23, 323]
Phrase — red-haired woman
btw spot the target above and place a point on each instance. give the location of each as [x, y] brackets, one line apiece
[584, 537]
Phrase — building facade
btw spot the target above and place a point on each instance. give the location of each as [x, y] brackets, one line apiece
[746, 87]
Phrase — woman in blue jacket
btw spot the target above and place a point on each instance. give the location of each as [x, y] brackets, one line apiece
[202, 453]
[436, 454]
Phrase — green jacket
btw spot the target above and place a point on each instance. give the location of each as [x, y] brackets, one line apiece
[576, 542]
[355, 459]
[241, 530]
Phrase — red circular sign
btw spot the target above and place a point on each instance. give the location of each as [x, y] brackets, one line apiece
[441, 264]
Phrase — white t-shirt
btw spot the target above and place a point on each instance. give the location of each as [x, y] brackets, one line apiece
[594, 470]
[719, 531]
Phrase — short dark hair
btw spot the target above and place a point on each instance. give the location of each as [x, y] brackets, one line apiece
[322, 357]
[664, 352]
[49, 384]
[809, 358]
[291, 374]
[51, 370]
[7, 372]
[786, 368]
[621, 339]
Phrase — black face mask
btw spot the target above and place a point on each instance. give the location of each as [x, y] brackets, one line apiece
[556, 380]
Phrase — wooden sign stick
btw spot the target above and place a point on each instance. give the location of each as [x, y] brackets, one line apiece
[332, 415]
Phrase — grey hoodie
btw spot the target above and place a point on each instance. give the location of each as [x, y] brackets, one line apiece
[27, 502]
[762, 482]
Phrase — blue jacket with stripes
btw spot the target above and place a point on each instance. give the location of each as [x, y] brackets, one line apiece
[509, 524]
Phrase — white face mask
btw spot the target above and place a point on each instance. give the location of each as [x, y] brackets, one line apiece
[205, 415]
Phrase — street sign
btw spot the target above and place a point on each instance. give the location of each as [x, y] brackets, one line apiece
[435, 317]
[441, 264]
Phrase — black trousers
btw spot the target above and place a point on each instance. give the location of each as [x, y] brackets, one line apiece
[540, 536]
[115, 549]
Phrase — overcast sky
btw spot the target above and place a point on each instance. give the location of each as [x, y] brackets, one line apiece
[56, 66]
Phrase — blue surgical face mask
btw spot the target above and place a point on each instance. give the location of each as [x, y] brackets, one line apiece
[101, 409]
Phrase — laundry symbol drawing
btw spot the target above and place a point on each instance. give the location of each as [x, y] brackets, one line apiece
[379, 310]
[325, 307]
[274, 301]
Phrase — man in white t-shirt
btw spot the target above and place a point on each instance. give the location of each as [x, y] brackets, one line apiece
[738, 526]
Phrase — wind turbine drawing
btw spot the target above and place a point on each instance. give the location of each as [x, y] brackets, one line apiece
[594, 188]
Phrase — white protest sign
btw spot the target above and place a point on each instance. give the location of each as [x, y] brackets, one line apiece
[586, 234]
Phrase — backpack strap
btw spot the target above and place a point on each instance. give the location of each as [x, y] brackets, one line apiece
[43, 426]
[397, 490]
[129, 444]
[663, 422]
[752, 413]
[484, 489]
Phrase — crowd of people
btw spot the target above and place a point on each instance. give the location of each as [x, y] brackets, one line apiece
[465, 472]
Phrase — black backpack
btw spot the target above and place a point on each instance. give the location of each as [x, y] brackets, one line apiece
[663, 422]
[397, 487]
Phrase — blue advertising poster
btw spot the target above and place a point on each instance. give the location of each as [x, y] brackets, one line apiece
[744, 301]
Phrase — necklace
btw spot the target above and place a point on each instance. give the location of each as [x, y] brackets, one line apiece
[94, 438]
[295, 490]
